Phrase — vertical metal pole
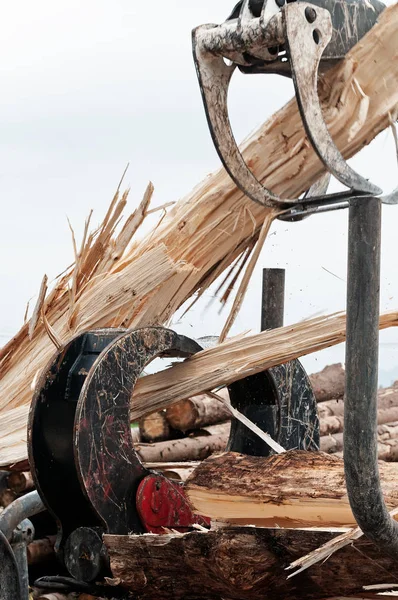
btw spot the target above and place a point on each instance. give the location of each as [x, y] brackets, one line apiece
[273, 299]
[360, 415]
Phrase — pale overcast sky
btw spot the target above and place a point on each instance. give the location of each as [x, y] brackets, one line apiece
[89, 86]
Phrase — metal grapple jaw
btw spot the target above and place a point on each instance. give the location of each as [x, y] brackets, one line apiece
[298, 40]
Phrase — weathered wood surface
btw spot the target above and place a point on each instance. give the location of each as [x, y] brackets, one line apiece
[293, 489]
[242, 563]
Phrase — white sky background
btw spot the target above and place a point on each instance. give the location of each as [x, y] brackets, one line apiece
[89, 86]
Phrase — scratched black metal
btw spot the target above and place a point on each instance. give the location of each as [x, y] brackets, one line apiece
[50, 432]
[351, 20]
[282, 403]
[109, 468]
[9, 578]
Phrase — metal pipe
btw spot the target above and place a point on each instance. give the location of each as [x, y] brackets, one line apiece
[273, 299]
[360, 414]
[23, 535]
[22, 508]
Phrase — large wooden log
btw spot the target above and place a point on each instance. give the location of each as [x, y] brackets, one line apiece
[198, 411]
[204, 233]
[387, 447]
[293, 489]
[243, 563]
[329, 383]
[192, 448]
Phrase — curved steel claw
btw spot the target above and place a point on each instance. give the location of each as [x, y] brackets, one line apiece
[308, 32]
[214, 77]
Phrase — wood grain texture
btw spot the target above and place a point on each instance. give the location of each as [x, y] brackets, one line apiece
[293, 489]
[243, 563]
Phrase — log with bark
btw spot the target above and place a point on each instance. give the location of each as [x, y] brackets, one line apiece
[193, 448]
[386, 398]
[335, 424]
[119, 282]
[387, 438]
[329, 384]
[41, 551]
[20, 482]
[242, 563]
[198, 411]
[293, 489]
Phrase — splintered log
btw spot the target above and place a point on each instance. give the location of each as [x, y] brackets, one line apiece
[329, 384]
[293, 489]
[193, 448]
[238, 358]
[242, 563]
[199, 411]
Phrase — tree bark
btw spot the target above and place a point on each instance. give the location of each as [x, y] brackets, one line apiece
[7, 497]
[293, 489]
[332, 425]
[329, 383]
[387, 398]
[243, 563]
[193, 448]
[198, 411]
[387, 433]
[112, 284]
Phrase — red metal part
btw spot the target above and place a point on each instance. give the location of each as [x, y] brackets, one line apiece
[162, 503]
